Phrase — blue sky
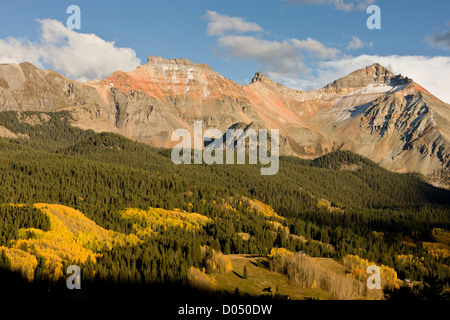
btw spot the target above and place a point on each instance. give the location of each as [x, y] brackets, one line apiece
[301, 43]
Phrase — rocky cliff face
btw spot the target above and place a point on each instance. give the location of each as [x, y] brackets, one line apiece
[25, 87]
[385, 117]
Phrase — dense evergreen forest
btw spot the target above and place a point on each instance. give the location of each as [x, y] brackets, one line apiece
[328, 210]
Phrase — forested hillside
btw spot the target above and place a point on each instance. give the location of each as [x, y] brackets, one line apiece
[172, 218]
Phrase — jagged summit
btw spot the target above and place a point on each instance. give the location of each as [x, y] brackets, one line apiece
[260, 77]
[373, 74]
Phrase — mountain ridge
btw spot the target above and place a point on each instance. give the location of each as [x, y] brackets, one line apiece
[385, 117]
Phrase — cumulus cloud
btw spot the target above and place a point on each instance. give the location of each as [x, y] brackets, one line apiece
[344, 5]
[219, 24]
[278, 58]
[355, 43]
[76, 55]
[315, 47]
[14, 50]
[433, 73]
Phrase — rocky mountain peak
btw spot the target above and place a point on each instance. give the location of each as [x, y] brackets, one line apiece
[373, 74]
[261, 77]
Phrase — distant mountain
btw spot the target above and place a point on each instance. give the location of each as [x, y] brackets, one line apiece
[385, 117]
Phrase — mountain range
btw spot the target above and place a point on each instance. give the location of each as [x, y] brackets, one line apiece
[387, 118]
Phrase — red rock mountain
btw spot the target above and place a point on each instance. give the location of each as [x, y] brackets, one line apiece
[385, 117]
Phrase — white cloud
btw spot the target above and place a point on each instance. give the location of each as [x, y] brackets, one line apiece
[220, 24]
[315, 47]
[280, 57]
[76, 55]
[277, 58]
[355, 43]
[433, 73]
[344, 5]
[14, 50]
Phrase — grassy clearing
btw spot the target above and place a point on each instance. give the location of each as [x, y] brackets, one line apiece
[260, 280]
[332, 265]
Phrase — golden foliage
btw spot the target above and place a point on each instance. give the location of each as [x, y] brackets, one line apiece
[441, 248]
[325, 204]
[441, 235]
[220, 263]
[409, 258]
[146, 223]
[121, 239]
[17, 205]
[358, 268]
[21, 261]
[72, 238]
[264, 209]
[68, 219]
[321, 204]
[245, 236]
[198, 279]
[280, 252]
[437, 250]
[378, 235]
[275, 224]
[227, 206]
[30, 233]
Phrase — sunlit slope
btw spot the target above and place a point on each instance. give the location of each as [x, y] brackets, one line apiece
[72, 238]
